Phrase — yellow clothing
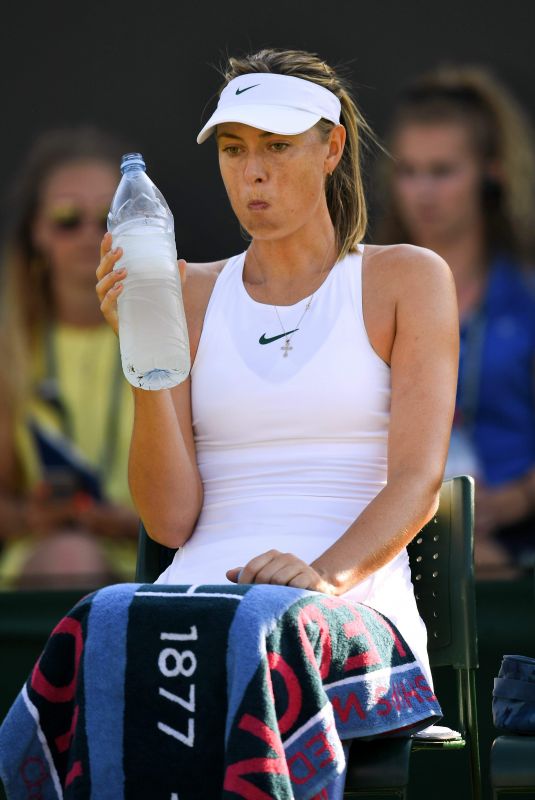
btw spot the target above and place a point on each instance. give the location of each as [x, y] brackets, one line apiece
[88, 377]
[87, 360]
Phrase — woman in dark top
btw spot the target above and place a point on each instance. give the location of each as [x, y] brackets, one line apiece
[462, 182]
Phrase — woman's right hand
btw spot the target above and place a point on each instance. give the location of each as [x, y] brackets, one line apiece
[109, 284]
[109, 281]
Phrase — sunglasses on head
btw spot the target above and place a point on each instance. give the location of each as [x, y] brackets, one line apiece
[68, 219]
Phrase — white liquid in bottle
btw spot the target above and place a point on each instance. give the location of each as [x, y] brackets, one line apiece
[153, 333]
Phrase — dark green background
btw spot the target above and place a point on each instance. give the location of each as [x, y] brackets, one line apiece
[146, 71]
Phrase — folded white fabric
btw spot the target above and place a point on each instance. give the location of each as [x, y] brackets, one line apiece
[438, 733]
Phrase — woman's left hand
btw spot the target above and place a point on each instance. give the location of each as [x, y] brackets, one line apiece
[281, 569]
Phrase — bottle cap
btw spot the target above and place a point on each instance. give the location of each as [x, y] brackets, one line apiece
[132, 161]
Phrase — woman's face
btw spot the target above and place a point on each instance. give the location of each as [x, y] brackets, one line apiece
[276, 184]
[71, 219]
[437, 180]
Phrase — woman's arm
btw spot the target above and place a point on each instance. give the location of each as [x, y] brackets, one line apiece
[424, 361]
[162, 468]
[424, 365]
[164, 477]
[13, 506]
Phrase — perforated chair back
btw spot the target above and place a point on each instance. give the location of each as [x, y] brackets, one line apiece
[441, 557]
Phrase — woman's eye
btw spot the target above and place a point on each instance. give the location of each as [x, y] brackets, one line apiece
[231, 149]
[279, 146]
[404, 171]
[443, 170]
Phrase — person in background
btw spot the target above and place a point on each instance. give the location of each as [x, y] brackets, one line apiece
[65, 410]
[461, 181]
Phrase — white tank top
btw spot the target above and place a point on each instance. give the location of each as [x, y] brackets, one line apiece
[291, 448]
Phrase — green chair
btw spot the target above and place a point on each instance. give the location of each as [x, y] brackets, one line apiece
[442, 572]
[152, 558]
[512, 766]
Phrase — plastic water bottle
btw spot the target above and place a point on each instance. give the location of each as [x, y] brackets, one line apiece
[153, 334]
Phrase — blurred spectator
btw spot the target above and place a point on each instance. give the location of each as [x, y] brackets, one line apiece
[65, 409]
[461, 181]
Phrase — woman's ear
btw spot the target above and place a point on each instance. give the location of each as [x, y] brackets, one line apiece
[337, 140]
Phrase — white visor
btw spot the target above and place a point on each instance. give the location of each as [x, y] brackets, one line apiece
[272, 102]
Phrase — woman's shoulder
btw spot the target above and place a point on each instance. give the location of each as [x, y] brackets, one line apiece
[200, 281]
[407, 269]
[404, 256]
[405, 288]
[197, 290]
[206, 272]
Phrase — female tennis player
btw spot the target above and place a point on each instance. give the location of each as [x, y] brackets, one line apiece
[307, 447]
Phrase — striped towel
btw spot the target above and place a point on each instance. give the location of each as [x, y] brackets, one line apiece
[200, 692]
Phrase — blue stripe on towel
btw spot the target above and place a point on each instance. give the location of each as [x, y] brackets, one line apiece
[20, 744]
[104, 697]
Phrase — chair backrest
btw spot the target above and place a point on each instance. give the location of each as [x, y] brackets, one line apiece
[441, 559]
[152, 558]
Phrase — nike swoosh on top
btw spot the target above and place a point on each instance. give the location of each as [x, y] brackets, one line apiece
[263, 339]
[241, 91]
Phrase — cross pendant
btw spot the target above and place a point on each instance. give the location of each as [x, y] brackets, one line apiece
[286, 347]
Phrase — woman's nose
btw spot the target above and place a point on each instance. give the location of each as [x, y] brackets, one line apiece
[421, 184]
[255, 171]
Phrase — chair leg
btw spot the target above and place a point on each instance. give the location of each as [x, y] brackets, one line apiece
[469, 717]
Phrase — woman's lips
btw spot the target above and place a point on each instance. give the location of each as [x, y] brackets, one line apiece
[257, 205]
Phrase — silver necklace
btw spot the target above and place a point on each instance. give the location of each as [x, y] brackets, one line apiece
[286, 347]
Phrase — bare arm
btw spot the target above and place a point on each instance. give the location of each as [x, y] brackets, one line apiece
[162, 469]
[424, 365]
[13, 517]
[164, 478]
[424, 357]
